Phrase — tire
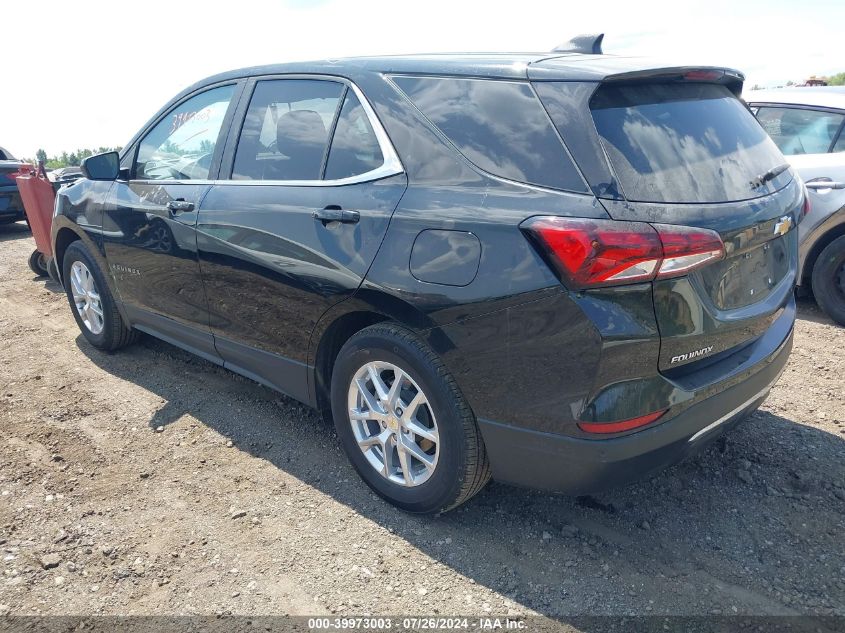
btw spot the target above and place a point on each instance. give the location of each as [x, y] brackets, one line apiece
[460, 466]
[829, 280]
[38, 263]
[107, 330]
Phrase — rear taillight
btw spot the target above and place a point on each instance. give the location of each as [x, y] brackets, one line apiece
[9, 176]
[686, 248]
[589, 253]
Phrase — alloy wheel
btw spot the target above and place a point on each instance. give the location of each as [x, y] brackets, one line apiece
[393, 423]
[86, 297]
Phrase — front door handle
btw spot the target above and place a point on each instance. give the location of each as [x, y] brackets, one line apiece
[179, 206]
[334, 213]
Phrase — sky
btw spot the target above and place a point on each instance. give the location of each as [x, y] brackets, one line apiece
[93, 73]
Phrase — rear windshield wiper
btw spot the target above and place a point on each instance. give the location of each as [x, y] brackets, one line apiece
[773, 173]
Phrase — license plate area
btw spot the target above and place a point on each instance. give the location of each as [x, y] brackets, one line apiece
[747, 277]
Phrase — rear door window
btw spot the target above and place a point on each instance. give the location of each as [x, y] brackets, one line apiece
[684, 143]
[499, 126]
[799, 130]
[286, 131]
[355, 149]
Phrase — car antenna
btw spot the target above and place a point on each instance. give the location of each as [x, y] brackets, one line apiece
[585, 44]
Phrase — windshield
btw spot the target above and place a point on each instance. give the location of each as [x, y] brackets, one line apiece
[684, 143]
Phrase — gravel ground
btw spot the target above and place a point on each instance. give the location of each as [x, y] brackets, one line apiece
[151, 482]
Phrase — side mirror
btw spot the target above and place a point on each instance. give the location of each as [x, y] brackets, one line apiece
[101, 166]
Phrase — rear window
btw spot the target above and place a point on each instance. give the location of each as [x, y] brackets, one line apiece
[499, 126]
[684, 143]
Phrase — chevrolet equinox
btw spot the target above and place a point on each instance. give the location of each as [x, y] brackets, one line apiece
[560, 270]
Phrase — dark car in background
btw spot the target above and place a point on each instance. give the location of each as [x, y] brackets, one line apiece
[11, 207]
[563, 270]
[65, 175]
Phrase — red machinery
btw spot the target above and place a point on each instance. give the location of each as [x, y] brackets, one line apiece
[38, 195]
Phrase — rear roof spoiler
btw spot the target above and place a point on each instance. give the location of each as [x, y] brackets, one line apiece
[732, 79]
[584, 44]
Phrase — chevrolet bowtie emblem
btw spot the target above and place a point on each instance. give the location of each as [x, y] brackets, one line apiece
[783, 225]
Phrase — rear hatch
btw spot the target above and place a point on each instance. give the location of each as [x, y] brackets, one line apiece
[677, 146]
[8, 171]
[9, 199]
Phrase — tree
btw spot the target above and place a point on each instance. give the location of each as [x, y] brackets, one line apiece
[74, 158]
[206, 146]
[836, 80]
[41, 156]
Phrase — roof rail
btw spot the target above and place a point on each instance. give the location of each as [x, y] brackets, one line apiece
[586, 44]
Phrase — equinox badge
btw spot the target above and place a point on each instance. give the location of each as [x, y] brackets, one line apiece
[691, 355]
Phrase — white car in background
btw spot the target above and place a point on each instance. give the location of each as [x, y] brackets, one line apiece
[808, 125]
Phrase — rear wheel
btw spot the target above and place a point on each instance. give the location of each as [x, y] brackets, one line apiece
[91, 301]
[403, 422]
[829, 280]
[38, 263]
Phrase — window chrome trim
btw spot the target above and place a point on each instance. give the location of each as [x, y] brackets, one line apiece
[391, 165]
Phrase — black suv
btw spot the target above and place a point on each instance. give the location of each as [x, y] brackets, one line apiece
[11, 207]
[559, 270]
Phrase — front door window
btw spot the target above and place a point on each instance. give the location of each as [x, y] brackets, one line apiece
[181, 146]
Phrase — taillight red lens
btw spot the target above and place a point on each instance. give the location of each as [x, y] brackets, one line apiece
[686, 248]
[589, 253]
[597, 252]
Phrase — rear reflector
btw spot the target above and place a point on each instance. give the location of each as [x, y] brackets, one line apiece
[590, 253]
[620, 426]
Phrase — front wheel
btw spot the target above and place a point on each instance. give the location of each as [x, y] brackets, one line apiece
[91, 301]
[403, 422]
[829, 280]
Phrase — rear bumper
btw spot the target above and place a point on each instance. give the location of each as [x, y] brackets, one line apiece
[10, 203]
[579, 466]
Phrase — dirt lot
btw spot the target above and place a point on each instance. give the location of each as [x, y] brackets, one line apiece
[151, 482]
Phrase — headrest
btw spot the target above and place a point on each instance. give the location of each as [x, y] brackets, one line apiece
[301, 132]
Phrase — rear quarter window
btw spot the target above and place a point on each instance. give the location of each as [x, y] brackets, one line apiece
[499, 126]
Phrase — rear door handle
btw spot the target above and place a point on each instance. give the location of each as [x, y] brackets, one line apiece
[179, 206]
[334, 213]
